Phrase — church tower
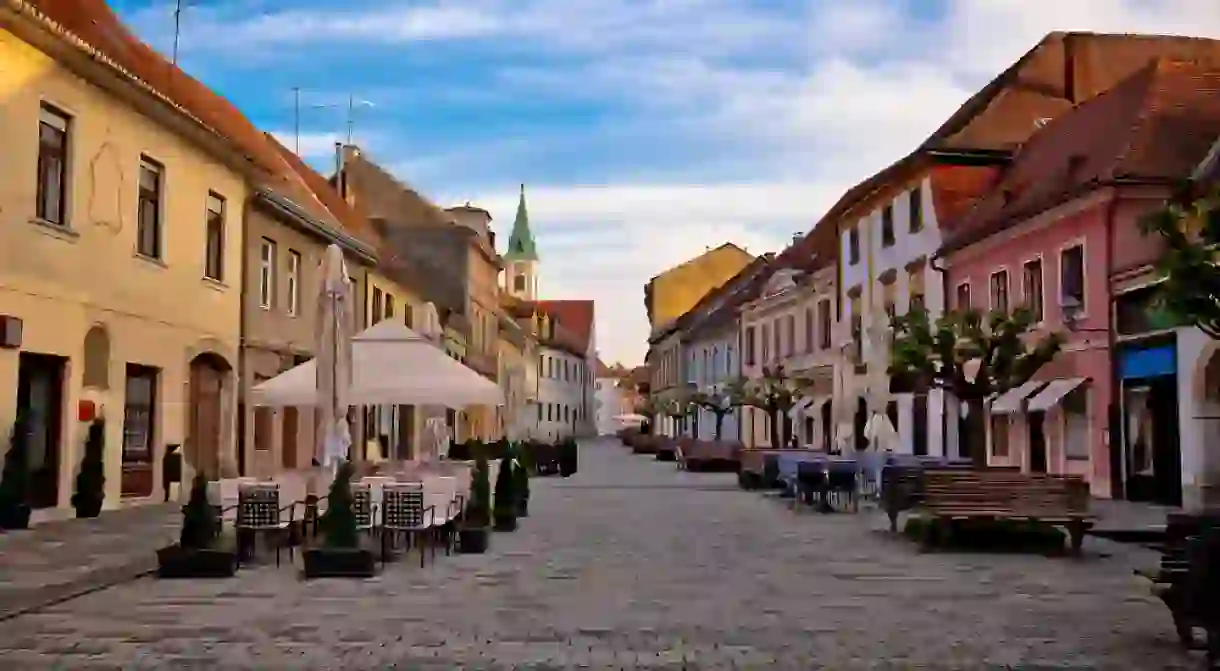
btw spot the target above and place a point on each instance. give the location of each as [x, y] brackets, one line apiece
[521, 275]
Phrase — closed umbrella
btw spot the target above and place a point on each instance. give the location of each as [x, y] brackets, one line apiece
[336, 317]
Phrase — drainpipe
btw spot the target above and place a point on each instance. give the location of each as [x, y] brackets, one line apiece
[244, 274]
[1117, 481]
[934, 264]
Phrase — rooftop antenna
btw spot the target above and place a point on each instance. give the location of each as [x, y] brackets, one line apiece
[352, 102]
[296, 116]
[177, 30]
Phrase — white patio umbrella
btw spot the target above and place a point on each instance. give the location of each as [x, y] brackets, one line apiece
[333, 365]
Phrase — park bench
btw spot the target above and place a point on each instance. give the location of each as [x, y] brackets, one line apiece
[1187, 579]
[952, 495]
[902, 486]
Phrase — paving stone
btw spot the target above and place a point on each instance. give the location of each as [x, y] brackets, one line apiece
[633, 564]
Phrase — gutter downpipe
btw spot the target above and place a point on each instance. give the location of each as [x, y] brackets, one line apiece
[1113, 415]
[934, 264]
[243, 329]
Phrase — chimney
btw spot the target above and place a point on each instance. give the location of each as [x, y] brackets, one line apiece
[340, 178]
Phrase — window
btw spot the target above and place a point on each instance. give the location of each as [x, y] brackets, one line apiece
[853, 245]
[266, 274]
[389, 306]
[750, 346]
[1076, 423]
[294, 281]
[999, 291]
[52, 166]
[915, 203]
[963, 296]
[919, 424]
[214, 243]
[891, 412]
[1071, 276]
[999, 435]
[408, 313]
[824, 322]
[766, 344]
[887, 226]
[778, 332]
[809, 330]
[148, 214]
[915, 289]
[377, 313]
[791, 335]
[1031, 287]
[539, 412]
[139, 414]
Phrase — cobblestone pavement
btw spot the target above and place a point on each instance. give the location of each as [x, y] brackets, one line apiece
[632, 564]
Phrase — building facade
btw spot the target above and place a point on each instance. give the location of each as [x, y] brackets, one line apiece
[107, 312]
[610, 399]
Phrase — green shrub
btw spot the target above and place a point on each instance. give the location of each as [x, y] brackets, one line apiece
[478, 506]
[91, 480]
[986, 535]
[339, 522]
[15, 478]
[521, 482]
[200, 523]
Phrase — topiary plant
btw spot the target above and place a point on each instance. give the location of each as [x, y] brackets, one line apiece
[505, 511]
[339, 522]
[478, 507]
[91, 480]
[200, 523]
[521, 480]
[15, 479]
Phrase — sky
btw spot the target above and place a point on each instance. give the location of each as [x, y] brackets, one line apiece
[645, 131]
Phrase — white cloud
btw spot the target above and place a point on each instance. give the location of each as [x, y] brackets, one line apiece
[802, 104]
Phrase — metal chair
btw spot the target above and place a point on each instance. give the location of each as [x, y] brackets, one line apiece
[403, 513]
[363, 507]
[259, 513]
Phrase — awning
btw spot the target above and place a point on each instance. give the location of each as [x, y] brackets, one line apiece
[1010, 401]
[1054, 392]
[801, 406]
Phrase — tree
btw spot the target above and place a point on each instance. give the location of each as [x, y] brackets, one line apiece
[478, 506]
[1190, 229]
[676, 409]
[200, 523]
[15, 479]
[91, 480]
[775, 393]
[720, 405]
[925, 354]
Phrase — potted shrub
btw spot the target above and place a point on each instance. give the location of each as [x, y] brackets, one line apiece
[567, 457]
[340, 555]
[195, 555]
[15, 479]
[476, 519]
[521, 484]
[91, 480]
[505, 511]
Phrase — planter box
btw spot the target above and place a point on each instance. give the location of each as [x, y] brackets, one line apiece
[176, 561]
[473, 540]
[509, 524]
[340, 563]
[17, 519]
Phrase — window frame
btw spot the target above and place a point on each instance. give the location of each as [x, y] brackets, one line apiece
[214, 237]
[992, 297]
[267, 252]
[1084, 274]
[47, 115]
[134, 454]
[915, 209]
[957, 296]
[293, 280]
[1040, 314]
[888, 238]
[853, 245]
[155, 199]
[825, 323]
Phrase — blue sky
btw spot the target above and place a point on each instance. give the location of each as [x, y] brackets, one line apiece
[645, 130]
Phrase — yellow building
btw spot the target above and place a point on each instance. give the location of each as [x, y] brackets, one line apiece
[674, 292]
[120, 257]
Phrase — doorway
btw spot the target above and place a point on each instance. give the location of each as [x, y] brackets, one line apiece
[206, 413]
[861, 421]
[40, 382]
[827, 427]
[1036, 422]
[1152, 454]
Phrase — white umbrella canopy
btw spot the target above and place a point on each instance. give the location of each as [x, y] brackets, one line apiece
[333, 365]
[391, 365]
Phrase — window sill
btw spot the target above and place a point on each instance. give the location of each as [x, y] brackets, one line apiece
[62, 231]
[151, 260]
[213, 283]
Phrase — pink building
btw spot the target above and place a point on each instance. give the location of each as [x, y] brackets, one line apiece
[1059, 234]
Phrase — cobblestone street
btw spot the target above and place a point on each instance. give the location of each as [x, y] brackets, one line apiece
[632, 564]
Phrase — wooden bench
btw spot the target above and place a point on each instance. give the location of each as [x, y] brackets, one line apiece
[1190, 586]
[902, 487]
[954, 494]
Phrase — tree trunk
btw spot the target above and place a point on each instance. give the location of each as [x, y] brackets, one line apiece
[775, 437]
[719, 424]
[974, 442]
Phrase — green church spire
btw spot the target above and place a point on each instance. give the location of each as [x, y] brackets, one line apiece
[521, 242]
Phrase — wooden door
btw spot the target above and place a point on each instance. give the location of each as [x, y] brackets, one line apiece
[207, 385]
[40, 398]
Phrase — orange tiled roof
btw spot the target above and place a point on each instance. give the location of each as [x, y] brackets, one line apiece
[575, 316]
[1155, 126]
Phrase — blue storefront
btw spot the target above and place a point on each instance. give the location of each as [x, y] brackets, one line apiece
[1151, 453]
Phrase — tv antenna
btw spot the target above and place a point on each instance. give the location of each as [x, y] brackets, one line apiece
[296, 117]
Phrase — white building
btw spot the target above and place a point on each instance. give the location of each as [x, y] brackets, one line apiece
[563, 374]
[884, 265]
[610, 400]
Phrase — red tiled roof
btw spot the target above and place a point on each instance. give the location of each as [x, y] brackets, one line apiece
[93, 22]
[1156, 125]
[575, 316]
